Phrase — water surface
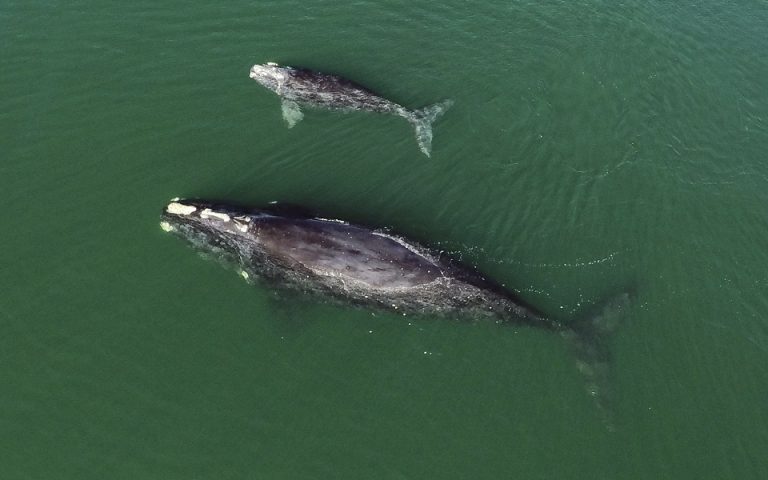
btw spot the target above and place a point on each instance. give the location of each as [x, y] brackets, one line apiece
[592, 147]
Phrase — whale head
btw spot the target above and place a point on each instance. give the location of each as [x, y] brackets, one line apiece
[270, 74]
[210, 228]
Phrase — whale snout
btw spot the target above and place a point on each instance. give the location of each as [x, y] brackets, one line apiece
[267, 69]
[268, 74]
[180, 207]
[190, 209]
[194, 215]
[256, 71]
[222, 231]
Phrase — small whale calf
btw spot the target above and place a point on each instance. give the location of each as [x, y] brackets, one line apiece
[368, 267]
[297, 87]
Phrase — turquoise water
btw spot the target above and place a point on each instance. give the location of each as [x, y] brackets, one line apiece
[592, 147]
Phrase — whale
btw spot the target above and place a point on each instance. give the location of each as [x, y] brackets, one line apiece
[299, 87]
[291, 250]
[343, 261]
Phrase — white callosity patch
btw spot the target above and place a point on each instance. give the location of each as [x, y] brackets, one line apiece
[179, 208]
[242, 227]
[208, 213]
[242, 223]
[167, 227]
[270, 76]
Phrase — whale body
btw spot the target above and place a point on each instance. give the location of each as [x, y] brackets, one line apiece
[300, 86]
[373, 268]
[344, 261]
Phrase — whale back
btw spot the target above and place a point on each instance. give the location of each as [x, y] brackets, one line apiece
[348, 253]
[317, 89]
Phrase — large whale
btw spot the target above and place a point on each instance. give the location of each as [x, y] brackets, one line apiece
[299, 86]
[374, 268]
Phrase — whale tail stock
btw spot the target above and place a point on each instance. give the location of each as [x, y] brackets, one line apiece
[589, 337]
[422, 120]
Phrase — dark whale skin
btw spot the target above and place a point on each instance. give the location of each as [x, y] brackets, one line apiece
[357, 265]
[343, 261]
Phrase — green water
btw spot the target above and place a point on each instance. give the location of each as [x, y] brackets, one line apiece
[593, 146]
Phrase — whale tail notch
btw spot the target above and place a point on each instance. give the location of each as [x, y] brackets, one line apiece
[422, 120]
[589, 337]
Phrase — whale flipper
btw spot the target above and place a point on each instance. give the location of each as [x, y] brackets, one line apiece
[422, 120]
[291, 113]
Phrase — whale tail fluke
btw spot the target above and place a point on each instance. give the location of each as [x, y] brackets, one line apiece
[422, 120]
[589, 337]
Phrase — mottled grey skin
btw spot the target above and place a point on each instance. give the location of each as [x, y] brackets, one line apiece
[321, 90]
[344, 261]
[298, 86]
